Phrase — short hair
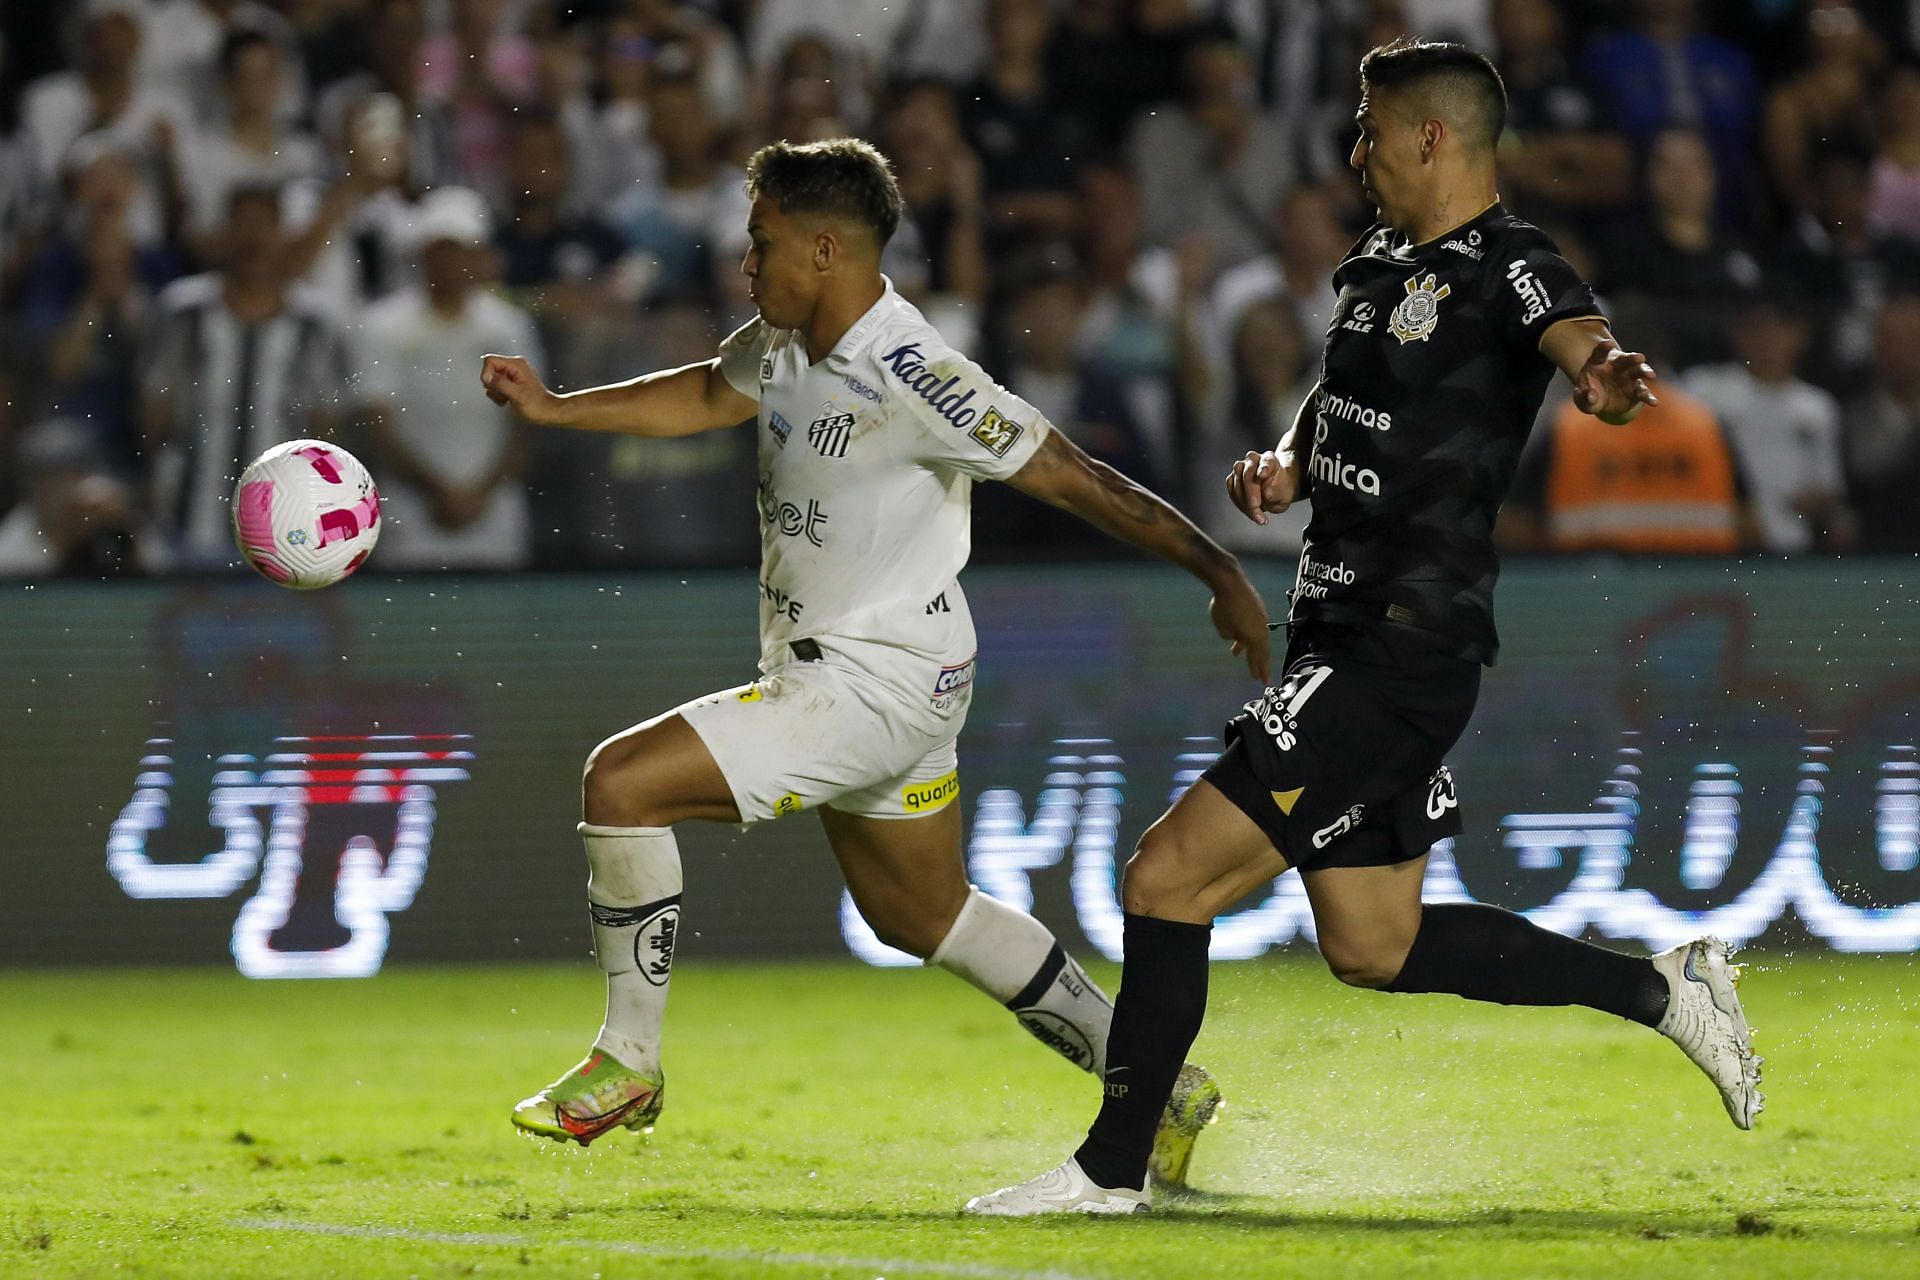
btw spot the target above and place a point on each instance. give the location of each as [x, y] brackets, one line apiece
[238, 41]
[1449, 80]
[837, 178]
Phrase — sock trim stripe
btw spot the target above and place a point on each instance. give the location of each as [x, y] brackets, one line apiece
[1049, 970]
[621, 917]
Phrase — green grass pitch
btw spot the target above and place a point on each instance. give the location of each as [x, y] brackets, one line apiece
[826, 1120]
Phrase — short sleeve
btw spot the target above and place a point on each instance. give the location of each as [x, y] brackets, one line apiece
[1537, 289]
[963, 420]
[742, 356]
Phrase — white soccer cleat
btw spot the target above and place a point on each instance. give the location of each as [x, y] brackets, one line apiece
[1062, 1190]
[1704, 1018]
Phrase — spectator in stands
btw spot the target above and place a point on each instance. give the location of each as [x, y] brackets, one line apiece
[249, 146]
[1893, 199]
[103, 92]
[1666, 483]
[1827, 103]
[1680, 252]
[1215, 164]
[1308, 242]
[1665, 73]
[1103, 72]
[240, 362]
[85, 298]
[1883, 433]
[940, 180]
[1558, 156]
[1131, 288]
[700, 206]
[479, 72]
[181, 53]
[554, 260]
[1026, 142]
[394, 34]
[1786, 431]
[813, 92]
[75, 517]
[1270, 374]
[453, 465]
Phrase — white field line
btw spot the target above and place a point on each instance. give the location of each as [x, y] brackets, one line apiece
[815, 1261]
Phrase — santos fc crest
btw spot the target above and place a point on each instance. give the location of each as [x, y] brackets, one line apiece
[1419, 312]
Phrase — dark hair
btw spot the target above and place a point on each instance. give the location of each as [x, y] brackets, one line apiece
[838, 178]
[1450, 79]
[238, 41]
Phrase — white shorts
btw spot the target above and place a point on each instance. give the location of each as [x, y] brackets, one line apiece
[870, 735]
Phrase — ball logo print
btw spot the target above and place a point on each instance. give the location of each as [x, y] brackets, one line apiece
[306, 514]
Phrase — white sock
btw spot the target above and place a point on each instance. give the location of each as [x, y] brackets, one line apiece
[633, 893]
[1012, 957]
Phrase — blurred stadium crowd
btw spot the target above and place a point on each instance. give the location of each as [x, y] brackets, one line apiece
[225, 223]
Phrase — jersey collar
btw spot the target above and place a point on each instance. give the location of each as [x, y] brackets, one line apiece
[1407, 249]
[856, 336]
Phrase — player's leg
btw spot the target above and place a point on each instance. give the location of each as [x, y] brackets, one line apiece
[908, 878]
[1204, 854]
[1375, 932]
[636, 786]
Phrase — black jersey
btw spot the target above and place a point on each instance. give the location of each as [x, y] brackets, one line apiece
[1431, 380]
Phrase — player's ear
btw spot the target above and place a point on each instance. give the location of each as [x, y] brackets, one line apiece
[826, 249]
[1430, 134]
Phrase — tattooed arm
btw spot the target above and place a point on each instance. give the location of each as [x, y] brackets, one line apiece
[1060, 474]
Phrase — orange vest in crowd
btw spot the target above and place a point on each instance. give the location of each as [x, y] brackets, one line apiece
[1663, 482]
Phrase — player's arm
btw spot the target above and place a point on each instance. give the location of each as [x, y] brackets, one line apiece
[1061, 474]
[1608, 383]
[1274, 480]
[673, 402]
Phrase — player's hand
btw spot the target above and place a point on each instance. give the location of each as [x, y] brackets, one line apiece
[1614, 384]
[511, 381]
[1260, 483]
[1240, 616]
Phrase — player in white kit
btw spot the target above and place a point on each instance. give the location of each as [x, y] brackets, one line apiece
[871, 433]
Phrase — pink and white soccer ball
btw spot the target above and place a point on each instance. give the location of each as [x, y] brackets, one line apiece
[306, 514]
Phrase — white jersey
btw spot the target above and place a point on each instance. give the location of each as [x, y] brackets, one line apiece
[867, 463]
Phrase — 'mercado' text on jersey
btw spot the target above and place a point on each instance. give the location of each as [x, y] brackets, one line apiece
[1431, 379]
[867, 460]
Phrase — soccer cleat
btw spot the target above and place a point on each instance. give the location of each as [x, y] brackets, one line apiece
[1704, 1018]
[596, 1096]
[1195, 1104]
[1062, 1190]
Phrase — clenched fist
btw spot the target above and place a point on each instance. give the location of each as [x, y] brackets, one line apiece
[511, 381]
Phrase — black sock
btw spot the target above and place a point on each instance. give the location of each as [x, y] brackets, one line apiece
[1484, 953]
[1162, 1001]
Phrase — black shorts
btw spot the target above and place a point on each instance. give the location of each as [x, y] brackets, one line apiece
[1342, 763]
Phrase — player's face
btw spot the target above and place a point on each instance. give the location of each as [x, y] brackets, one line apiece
[1387, 157]
[779, 266]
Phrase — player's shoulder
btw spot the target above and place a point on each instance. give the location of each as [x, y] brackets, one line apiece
[1376, 241]
[1508, 233]
[906, 360]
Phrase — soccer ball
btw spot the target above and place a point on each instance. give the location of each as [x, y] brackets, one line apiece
[306, 514]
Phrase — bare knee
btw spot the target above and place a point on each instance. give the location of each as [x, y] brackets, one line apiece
[1159, 882]
[614, 790]
[916, 926]
[1373, 963]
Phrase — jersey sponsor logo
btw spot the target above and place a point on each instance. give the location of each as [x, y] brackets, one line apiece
[766, 369]
[1335, 470]
[910, 366]
[780, 427]
[864, 391]
[1470, 246]
[752, 693]
[1317, 579]
[1278, 709]
[996, 433]
[790, 520]
[1418, 314]
[925, 797]
[1352, 411]
[788, 804]
[1361, 318]
[829, 435]
[955, 678]
[1339, 826]
[1533, 294]
[938, 605]
[1440, 794]
[784, 605]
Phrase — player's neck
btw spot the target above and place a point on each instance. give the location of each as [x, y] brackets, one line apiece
[1450, 210]
[838, 311]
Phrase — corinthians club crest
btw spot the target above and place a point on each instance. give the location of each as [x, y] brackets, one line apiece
[1414, 319]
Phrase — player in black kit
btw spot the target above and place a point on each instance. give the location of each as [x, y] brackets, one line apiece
[1452, 317]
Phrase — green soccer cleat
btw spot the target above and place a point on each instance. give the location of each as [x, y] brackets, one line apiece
[596, 1096]
[1195, 1104]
